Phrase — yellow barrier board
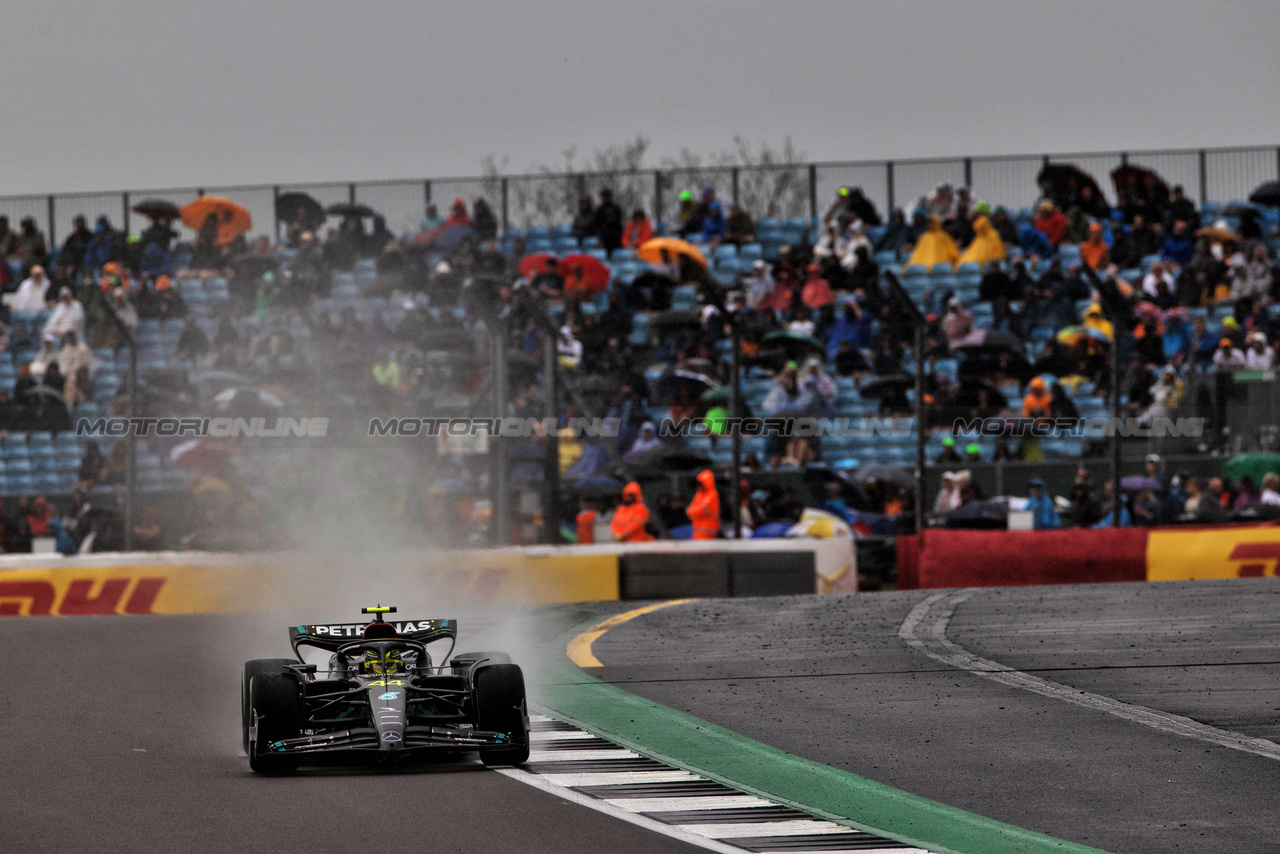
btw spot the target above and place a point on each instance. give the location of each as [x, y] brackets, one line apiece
[1213, 553]
[226, 585]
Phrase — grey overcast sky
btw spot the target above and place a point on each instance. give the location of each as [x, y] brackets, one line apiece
[118, 94]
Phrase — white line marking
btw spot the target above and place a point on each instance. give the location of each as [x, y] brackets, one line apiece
[805, 827]
[561, 735]
[678, 803]
[869, 851]
[618, 778]
[925, 629]
[675, 832]
[572, 755]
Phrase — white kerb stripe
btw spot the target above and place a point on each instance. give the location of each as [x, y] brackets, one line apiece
[561, 735]
[541, 782]
[724, 802]
[572, 755]
[618, 778]
[766, 828]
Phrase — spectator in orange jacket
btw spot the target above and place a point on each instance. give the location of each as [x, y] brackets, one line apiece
[638, 230]
[586, 524]
[1094, 251]
[630, 518]
[1039, 402]
[704, 510]
[1050, 222]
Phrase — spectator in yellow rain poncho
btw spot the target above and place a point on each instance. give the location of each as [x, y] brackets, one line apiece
[1094, 318]
[986, 246]
[935, 246]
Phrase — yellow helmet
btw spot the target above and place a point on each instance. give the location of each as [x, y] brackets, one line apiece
[383, 661]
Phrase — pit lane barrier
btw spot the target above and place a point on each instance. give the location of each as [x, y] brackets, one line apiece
[947, 558]
[196, 582]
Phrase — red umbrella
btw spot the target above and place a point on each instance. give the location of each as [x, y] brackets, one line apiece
[584, 275]
[537, 264]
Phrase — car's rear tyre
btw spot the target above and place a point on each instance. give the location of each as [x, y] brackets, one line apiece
[501, 707]
[252, 669]
[276, 701]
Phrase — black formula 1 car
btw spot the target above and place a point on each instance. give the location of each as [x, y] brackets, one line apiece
[382, 699]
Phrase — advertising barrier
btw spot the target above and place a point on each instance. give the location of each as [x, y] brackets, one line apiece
[194, 582]
[1237, 552]
[947, 558]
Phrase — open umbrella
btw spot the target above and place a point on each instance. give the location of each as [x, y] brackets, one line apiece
[1063, 183]
[1267, 194]
[1140, 183]
[887, 474]
[599, 486]
[1218, 234]
[989, 340]
[664, 461]
[992, 514]
[1256, 513]
[246, 402]
[232, 219]
[289, 205]
[1257, 465]
[651, 250]
[157, 209]
[451, 237]
[677, 384]
[208, 457]
[538, 264]
[887, 384]
[1138, 482]
[797, 345]
[820, 525]
[1072, 335]
[584, 276]
[348, 209]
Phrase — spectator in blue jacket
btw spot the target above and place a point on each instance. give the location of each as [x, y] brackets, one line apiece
[713, 223]
[1109, 506]
[1034, 242]
[1178, 246]
[1040, 503]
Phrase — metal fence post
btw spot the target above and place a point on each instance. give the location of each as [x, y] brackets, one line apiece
[657, 198]
[351, 193]
[813, 192]
[1124, 158]
[53, 234]
[734, 173]
[968, 172]
[888, 185]
[1204, 178]
[275, 210]
[506, 218]
[426, 193]
[124, 203]
[1278, 162]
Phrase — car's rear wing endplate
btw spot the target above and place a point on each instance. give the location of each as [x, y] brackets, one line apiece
[334, 635]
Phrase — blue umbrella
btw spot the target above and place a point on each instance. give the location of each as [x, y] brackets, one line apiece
[771, 530]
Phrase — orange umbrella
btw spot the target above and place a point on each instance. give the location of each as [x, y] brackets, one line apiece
[537, 264]
[584, 275]
[651, 250]
[232, 218]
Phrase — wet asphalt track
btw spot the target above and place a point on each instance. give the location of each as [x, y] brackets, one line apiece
[828, 679]
[122, 735]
